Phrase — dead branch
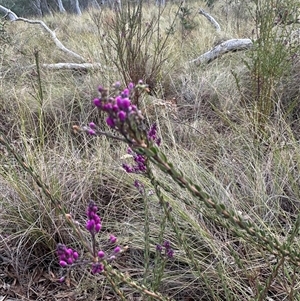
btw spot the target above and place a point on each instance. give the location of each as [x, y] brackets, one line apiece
[13, 17]
[211, 19]
[8, 13]
[69, 66]
[227, 46]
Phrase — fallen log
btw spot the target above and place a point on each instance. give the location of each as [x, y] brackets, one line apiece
[231, 45]
[69, 66]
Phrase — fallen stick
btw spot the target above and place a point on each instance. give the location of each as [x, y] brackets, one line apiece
[69, 66]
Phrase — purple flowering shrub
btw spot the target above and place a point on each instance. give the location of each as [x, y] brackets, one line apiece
[68, 257]
[124, 117]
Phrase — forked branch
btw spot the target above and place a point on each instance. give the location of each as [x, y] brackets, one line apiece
[13, 17]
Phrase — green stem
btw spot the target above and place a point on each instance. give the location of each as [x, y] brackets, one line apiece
[114, 285]
[141, 288]
[257, 235]
[146, 238]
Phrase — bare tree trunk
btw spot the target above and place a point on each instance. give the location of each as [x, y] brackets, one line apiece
[95, 4]
[45, 7]
[61, 6]
[76, 7]
[37, 6]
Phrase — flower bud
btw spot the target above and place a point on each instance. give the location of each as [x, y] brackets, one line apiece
[63, 264]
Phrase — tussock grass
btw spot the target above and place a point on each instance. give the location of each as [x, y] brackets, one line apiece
[209, 135]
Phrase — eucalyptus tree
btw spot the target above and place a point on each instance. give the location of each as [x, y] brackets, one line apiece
[61, 6]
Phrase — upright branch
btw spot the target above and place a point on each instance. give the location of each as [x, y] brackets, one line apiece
[210, 19]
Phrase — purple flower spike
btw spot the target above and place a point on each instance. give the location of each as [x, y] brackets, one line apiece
[66, 256]
[119, 101]
[100, 89]
[93, 224]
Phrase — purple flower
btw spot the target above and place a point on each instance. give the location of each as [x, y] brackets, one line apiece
[107, 107]
[117, 249]
[140, 187]
[97, 268]
[125, 93]
[110, 122]
[91, 132]
[140, 163]
[97, 102]
[63, 263]
[92, 125]
[167, 245]
[170, 253]
[112, 239]
[130, 86]
[66, 256]
[122, 116]
[128, 168]
[101, 254]
[152, 134]
[93, 224]
[117, 85]
[159, 248]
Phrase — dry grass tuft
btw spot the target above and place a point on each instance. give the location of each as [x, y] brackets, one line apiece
[204, 118]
